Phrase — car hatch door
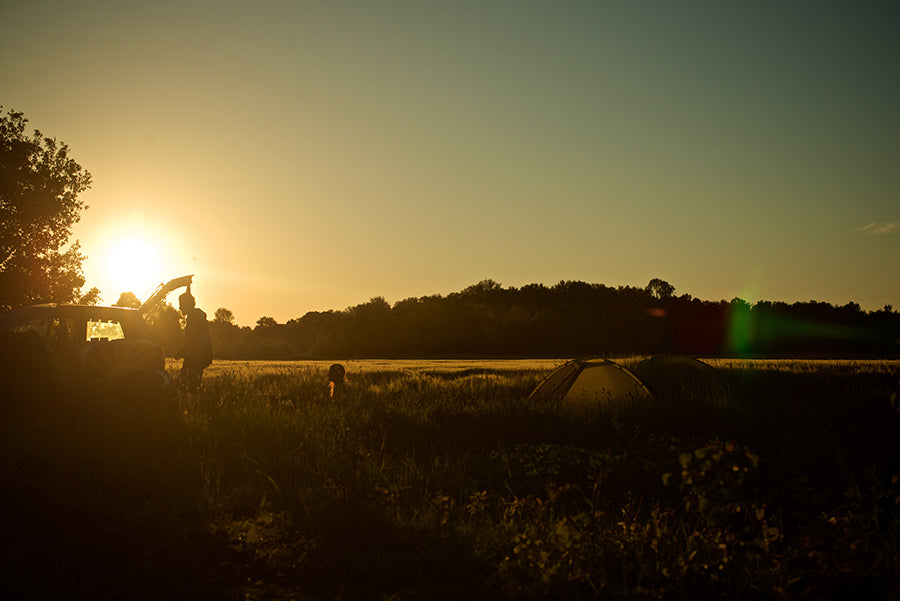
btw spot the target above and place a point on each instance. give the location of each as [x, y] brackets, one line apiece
[162, 290]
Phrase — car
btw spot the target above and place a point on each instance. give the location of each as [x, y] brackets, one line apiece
[102, 348]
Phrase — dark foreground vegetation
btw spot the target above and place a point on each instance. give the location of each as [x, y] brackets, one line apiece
[567, 319]
[423, 484]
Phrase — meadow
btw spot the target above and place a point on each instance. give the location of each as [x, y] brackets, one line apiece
[437, 480]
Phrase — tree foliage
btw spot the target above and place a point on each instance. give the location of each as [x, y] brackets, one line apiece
[128, 299]
[266, 322]
[223, 315]
[40, 186]
[571, 318]
[660, 289]
[166, 324]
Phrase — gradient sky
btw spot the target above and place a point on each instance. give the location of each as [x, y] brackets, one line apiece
[302, 156]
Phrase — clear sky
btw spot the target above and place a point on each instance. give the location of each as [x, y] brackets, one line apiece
[302, 156]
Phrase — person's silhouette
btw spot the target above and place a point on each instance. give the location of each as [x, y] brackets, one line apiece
[197, 349]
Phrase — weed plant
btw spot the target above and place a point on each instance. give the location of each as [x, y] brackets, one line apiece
[436, 484]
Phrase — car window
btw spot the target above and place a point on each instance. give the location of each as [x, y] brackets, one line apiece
[63, 329]
[31, 325]
[27, 319]
[104, 330]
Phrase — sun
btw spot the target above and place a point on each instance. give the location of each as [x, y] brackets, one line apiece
[132, 265]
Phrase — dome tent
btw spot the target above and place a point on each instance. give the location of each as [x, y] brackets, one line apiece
[682, 380]
[588, 385]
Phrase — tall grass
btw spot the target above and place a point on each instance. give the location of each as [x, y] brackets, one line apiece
[437, 483]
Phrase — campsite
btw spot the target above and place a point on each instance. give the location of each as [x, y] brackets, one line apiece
[454, 480]
[433, 301]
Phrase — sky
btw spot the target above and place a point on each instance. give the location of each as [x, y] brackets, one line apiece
[308, 156]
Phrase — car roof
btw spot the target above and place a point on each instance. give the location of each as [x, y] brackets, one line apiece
[97, 311]
[47, 310]
[73, 309]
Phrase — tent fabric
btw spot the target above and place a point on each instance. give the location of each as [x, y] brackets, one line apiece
[680, 379]
[557, 382]
[590, 384]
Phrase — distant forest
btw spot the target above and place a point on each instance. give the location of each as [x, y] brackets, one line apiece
[569, 319]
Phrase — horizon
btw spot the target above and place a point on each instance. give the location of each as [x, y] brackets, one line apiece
[304, 157]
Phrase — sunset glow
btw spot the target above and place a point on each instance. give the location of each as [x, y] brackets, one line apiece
[132, 265]
[311, 156]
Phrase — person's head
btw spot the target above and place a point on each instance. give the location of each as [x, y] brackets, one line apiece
[186, 301]
[336, 373]
[336, 380]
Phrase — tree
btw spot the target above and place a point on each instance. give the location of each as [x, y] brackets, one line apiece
[482, 287]
[660, 289]
[224, 316]
[165, 322]
[39, 189]
[128, 299]
[225, 334]
[266, 322]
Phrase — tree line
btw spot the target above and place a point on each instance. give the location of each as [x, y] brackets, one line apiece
[571, 318]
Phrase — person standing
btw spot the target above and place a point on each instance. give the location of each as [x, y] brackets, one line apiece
[197, 349]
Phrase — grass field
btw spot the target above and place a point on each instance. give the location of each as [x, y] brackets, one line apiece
[360, 366]
[436, 480]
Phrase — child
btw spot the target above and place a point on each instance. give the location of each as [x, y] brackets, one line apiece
[336, 380]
